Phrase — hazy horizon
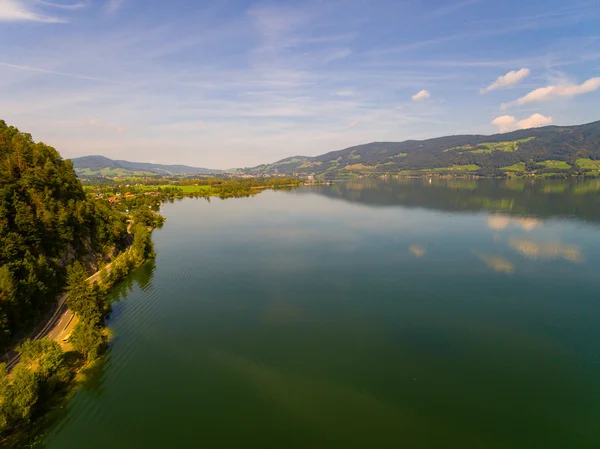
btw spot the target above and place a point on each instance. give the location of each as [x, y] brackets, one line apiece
[240, 83]
[282, 158]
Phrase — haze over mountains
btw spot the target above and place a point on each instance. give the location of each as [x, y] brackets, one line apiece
[100, 165]
[551, 148]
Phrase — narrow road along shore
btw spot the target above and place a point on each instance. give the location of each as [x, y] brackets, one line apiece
[58, 327]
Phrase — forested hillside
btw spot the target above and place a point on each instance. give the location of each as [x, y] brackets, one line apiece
[46, 223]
[543, 150]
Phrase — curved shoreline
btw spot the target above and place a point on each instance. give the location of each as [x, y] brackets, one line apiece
[52, 328]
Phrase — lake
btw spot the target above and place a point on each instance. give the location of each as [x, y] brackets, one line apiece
[364, 314]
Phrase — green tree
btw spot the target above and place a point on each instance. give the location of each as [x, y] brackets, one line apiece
[8, 288]
[45, 217]
[4, 406]
[53, 358]
[45, 352]
[144, 216]
[142, 243]
[30, 351]
[76, 279]
[87, 339]
[85, 300]
[104, 276]
[22, 395]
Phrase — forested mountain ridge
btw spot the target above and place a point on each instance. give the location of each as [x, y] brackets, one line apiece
[46, 222]
[100, 165]
[551, 148]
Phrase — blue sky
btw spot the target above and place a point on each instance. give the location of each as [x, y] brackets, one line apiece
[235, 83]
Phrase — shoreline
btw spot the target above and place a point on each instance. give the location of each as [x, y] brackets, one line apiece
[51, 328]
[79, 367]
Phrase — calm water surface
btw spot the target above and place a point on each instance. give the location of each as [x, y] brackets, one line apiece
[368, 314]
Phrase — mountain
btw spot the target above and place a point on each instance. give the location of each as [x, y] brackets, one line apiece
[100, 165]
[551, 149]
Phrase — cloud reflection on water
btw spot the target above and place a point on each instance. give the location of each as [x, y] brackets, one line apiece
[498, 222]
[548, 251]
[497, 263]
[418, 250]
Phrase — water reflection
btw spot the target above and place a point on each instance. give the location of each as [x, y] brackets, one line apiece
[548, 250]
[417, 250]
[142, 277]
[497, 263]
[514, 206]
[303, 321]
[91, 379]
[531, 200]
[499, 222]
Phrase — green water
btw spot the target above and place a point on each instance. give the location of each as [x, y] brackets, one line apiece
[367, 314]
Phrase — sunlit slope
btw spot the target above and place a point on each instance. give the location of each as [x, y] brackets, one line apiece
[551, 148]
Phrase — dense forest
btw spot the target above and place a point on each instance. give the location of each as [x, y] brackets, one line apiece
[46, 224]
[551, 149]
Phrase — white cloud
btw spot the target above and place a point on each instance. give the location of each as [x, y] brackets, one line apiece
[71, 6]
[422, 95]
[550, 92]
[510, 79]
[505, 122]
[266, 94]
[509, 123]
[534, 121]
[17, 11]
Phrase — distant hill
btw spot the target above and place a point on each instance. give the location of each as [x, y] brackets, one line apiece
[100, 165]
[545, 150]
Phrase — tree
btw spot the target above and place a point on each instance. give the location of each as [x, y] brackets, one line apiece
[142, 243]
[52, 359]
[30, 351]
[104, 276]
[45, 220]
[22, 394]
[46, 353]
[7, 285]
[4, 324]
[4, 406]
[3, 380]
[76, 279]
[85, 300]
[144, 216]
[87, 339]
